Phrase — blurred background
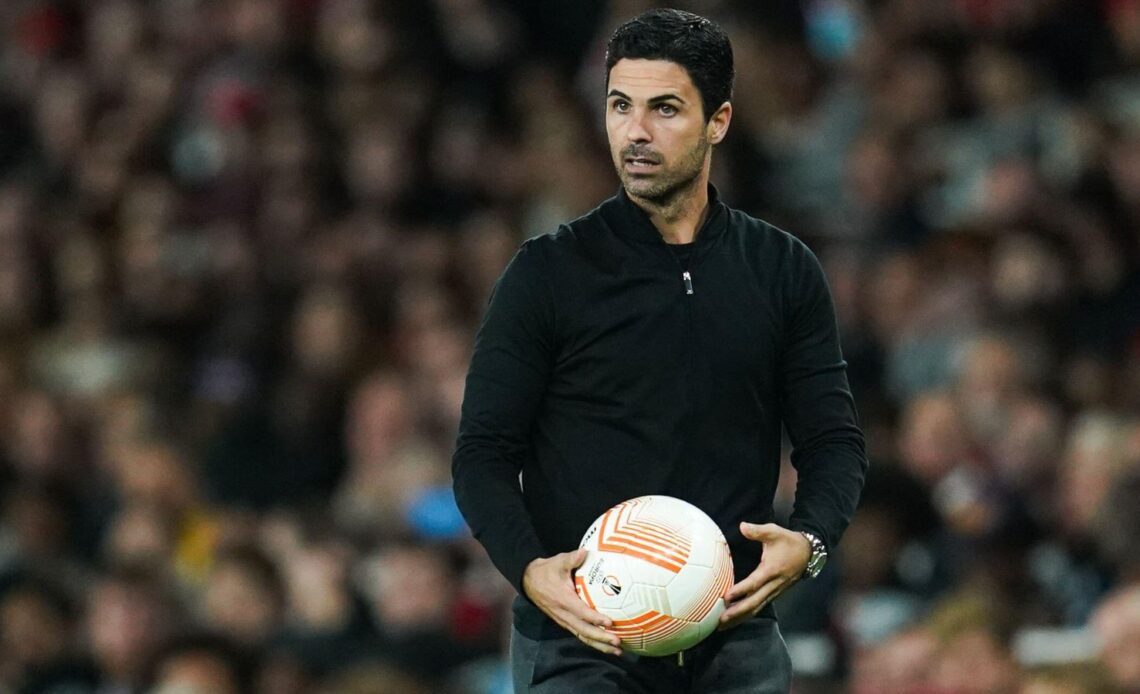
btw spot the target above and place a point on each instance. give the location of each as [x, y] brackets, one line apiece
[244, 246]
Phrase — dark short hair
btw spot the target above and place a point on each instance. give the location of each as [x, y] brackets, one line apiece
[697, 44]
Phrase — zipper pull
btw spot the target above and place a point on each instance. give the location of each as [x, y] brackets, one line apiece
[688, 282]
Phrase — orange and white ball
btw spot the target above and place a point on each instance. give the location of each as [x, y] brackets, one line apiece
[659, 567]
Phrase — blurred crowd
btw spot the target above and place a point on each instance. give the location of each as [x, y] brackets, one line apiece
[245, 244]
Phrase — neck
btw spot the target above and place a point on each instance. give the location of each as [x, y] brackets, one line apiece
[679, 218]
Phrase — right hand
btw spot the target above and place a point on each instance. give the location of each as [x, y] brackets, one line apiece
[549, 585]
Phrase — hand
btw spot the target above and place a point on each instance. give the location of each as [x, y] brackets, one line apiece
[549, 585]
[786, 555]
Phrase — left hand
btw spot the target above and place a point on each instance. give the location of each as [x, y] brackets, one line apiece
[786, 554]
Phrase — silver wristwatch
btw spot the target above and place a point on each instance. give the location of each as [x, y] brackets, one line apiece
[818, 556]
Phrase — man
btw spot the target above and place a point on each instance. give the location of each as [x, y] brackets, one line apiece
[656, 346]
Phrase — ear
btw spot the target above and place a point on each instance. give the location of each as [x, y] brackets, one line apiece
[717, 126]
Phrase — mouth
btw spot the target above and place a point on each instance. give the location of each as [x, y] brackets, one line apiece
[640, 163]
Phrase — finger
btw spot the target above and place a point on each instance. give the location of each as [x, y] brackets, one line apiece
[748, 607]
[753, 603]
[725, 625]
[764, 532]
[749, 584]
[593, 635]
[594, 632]
[757, 598]
[594, 624]
[582, 619]
[729, 620]
[582, 612]
[604, 642]
[603, 646]
[578, 609]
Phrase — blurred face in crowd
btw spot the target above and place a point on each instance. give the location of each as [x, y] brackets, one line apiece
[1117, 623]
[125, 623]
[873, 540]
[240, 603]
[32, 631]
[991, 375]
[281, 672]
[1091, 460]
[351, 38]
[998, 79]
[659, 139]
[374, 166]
[901, 664]
[892, 295]
[932, 436]
[140, 535]
[380, 418]
[196, 672]
[486, 244]
[915, 91]
[974, 661]
[408, 586]
[39, 434]
[874, 172]
[154, 474]
[316, 579]
[325, 330]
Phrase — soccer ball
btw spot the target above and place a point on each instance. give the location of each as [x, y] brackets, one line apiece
[659, 568]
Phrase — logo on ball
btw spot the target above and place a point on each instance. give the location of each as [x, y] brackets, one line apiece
[611, 586]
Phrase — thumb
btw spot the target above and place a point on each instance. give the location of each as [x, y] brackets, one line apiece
[574, 559]
[758, 532]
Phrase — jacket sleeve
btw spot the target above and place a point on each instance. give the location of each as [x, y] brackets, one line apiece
[505, 383]
[818, 409]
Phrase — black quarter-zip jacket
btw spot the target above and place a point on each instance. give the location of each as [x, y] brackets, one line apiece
[606, 368]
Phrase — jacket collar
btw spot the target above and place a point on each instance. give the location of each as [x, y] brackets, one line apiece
[630, 221]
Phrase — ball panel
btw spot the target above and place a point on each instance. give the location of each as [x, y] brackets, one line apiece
[706, 542]
[667, 639]
[620, 532]
[645, 597]
[672, 515]
[708, 589]
[712, 620]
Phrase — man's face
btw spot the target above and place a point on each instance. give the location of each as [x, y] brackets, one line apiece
[658, 136]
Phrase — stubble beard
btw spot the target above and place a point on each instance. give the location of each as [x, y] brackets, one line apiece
[666, 188]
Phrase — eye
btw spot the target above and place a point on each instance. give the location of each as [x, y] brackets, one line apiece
[621, 106]
[667, 109]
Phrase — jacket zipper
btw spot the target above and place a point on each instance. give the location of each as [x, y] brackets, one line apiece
[687, 282]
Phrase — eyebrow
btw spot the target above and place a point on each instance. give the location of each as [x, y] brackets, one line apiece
[652, 101]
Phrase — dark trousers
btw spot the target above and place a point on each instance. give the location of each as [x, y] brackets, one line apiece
[750, 658]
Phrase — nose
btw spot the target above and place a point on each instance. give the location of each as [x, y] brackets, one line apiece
[637, 131]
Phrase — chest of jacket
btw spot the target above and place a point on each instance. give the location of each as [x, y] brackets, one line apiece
[631, 339]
